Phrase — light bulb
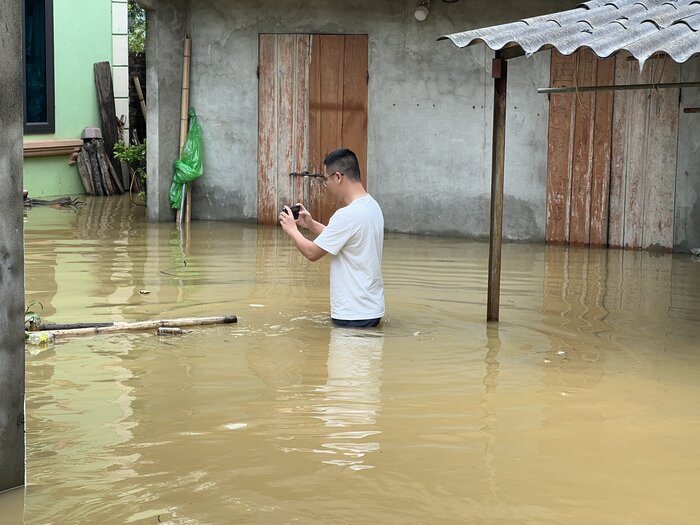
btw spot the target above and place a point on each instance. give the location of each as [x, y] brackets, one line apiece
[421, 13]
[422, 10]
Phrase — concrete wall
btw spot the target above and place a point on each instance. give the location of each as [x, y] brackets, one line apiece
[165, 30]
[687, 219]
[11, 250]
[430, 108]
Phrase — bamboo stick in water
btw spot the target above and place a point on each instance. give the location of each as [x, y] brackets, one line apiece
[145, 325]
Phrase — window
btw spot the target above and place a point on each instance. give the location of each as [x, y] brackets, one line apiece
[39, 108]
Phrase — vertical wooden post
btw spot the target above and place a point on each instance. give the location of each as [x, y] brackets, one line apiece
[184, 114]
[500, 86]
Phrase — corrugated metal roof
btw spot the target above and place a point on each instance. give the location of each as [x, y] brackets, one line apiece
[642, 27]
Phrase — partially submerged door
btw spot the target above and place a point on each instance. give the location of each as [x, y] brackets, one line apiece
[312, 99]
[612, 156]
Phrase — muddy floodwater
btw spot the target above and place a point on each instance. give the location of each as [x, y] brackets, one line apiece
[582, 406]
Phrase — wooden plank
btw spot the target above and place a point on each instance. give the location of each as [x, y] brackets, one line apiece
[267, 130]
[662, 147]
[602, 142]
[354, 113]
[559, 150]
[579, 221]
[315, 161]
[618, 153]
[301, 115]
[338, 63]
[83, 165]
[116, 179]
[332, 52]
[635, 175]
[99, 184]
[108, 112]
[103, 163]
[286, 80]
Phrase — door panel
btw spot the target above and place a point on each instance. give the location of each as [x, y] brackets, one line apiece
[642, 213]
[282, 121]
[612, 158]
[312, 100]
[338, 108]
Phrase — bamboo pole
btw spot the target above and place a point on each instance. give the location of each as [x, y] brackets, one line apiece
[184, 113]
[139, 94]
[145, 325]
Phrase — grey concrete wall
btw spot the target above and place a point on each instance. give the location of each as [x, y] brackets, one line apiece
[687, 219]
[11, 249]
[430, 108]
[164, 48]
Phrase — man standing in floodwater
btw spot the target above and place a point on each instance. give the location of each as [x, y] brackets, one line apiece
[354, 237]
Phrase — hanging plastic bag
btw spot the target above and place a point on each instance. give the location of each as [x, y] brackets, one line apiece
[189, 166]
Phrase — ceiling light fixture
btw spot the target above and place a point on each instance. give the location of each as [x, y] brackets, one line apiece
[422, 10]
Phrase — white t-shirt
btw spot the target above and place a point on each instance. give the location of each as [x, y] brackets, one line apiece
[355, 237]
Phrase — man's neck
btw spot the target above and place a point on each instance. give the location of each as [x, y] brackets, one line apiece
[356, 191]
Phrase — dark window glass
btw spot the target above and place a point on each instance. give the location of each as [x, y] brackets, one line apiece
[38, 67]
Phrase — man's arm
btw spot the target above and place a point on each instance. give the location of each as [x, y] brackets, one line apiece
[307, 248]
[306, 221]
[316, 227]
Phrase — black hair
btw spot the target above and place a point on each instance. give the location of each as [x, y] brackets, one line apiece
[344, 161]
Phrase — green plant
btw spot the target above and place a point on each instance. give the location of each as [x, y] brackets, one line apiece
[135, 158]
[137, 27]
[32, 320]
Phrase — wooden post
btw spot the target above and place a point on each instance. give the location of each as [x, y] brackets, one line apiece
[500, 86]
[184, 113]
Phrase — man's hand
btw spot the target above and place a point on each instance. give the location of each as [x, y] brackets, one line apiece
[287, 220]
[307, 248]
[305, 220]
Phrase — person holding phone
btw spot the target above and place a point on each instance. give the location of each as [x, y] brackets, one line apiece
[354, 237]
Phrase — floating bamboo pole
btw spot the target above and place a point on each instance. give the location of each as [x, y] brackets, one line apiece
[184, 120]
[145, 325]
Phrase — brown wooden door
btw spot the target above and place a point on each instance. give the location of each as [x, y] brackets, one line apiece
[312, 100]
[578, 163]
[612, 157]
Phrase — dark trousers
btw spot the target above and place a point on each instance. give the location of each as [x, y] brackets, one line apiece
[357, 323]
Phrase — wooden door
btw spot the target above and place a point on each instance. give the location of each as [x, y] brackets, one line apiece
[312, 100]
[644, 156]
[578, 156]
[282, 121]
[612, 157]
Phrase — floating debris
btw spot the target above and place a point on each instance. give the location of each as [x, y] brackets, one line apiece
[61, 202]
[164, 330]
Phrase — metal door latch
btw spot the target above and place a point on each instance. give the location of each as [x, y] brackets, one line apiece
[305, 174]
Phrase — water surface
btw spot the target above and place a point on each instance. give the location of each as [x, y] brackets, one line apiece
[581, 406]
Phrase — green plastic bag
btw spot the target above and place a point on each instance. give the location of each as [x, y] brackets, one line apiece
[189, 166]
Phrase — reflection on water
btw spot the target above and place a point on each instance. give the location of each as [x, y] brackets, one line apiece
[580, 406]
[349, 401]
